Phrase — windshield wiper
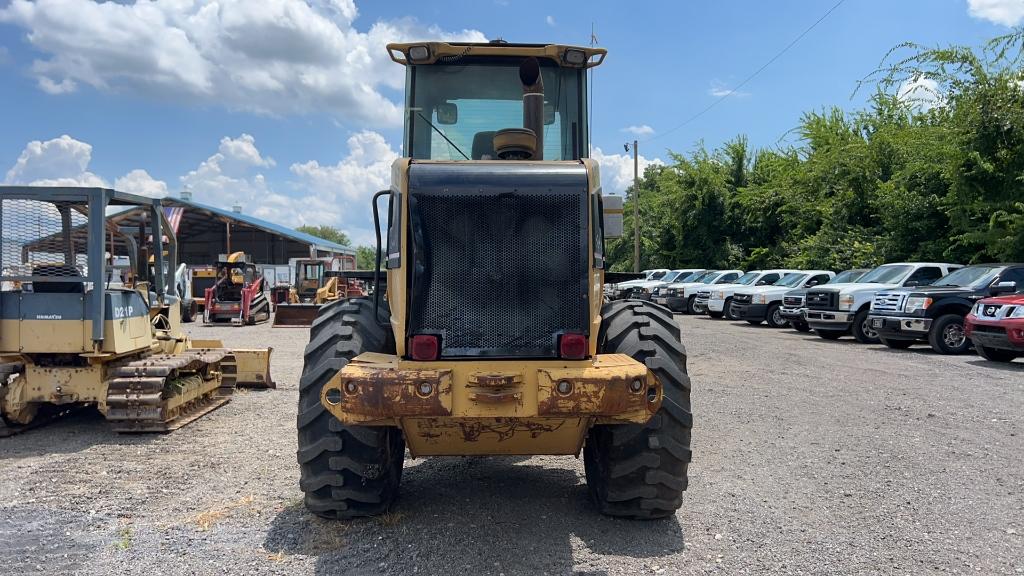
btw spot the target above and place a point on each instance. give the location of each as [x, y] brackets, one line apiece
[436, 129]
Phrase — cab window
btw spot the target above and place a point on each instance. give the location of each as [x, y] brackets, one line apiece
[924, 276]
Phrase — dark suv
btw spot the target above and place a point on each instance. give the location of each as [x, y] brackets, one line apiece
[935, 313]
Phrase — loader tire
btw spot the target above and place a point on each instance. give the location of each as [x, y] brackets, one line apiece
[345, 471]
[640, 471]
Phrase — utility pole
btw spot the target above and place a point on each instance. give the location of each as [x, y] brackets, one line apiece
[636, 211]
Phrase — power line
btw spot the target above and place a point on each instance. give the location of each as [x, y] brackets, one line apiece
[752, 76]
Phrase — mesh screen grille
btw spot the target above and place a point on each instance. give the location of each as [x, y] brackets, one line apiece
[42, 239]
[499, 274]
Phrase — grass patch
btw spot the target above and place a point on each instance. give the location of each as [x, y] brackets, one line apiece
[206, 520]
[125, 536]
[390, 519]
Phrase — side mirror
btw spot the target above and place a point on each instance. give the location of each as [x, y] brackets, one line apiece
[447, 113]
[612, 216]
[1007, 287]
[549, 114]
[761, 283]
[811, 283]
[912, 283]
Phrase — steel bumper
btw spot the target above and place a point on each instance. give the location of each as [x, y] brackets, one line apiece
[750, 311]
[792, 313]
[900, 327]
[828, 319]
[379, 389]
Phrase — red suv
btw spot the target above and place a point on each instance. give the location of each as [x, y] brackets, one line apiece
[996, 325]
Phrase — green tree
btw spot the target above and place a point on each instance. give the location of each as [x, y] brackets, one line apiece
[326, 232]
[366, 258]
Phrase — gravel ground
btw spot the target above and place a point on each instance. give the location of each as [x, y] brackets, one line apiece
[810, 457]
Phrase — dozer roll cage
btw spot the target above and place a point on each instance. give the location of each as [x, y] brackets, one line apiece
[22, 217]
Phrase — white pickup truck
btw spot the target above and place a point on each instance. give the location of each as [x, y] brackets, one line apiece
[764, 303]
[837, 309]
[720, 297]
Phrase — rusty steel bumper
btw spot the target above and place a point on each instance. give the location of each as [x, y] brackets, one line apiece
[493, 407]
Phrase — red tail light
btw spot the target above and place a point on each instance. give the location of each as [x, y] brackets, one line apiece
[424, 347]
[572, 346]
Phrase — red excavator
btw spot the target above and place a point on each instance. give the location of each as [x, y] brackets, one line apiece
[238, 294]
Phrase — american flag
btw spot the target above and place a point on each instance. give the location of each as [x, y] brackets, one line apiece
[174, 214]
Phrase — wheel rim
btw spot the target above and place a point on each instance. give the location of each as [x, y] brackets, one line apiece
[954, 336]
[777, 318]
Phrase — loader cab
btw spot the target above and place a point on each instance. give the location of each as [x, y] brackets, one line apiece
[309, 277]
[460, 97]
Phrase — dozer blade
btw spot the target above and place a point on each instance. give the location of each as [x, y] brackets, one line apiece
[295, 315]
[250, 369]
[243, 367]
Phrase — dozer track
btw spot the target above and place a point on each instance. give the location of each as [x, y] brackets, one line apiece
[163, 392]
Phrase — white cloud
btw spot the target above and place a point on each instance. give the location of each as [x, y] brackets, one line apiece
[550, 20]
[139, 181]
[1005, 12]
[641, 130]
[230, 177]
[61, 161]
[617, 169]
[718, 89]
[272, 56]
[921, 93]
[341, 194]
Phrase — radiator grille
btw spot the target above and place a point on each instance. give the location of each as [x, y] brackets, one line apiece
[793, 301]
[823, 300]
[888, 302]
[499, 274]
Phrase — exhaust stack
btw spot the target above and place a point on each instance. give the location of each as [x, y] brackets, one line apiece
[533, 102]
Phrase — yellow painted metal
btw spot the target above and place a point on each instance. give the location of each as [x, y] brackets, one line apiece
[494, 436]
[381, 389]
[438, 50]
[73, 336]
[252, 367]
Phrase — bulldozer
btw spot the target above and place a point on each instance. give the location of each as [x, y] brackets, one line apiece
[490, 335]
[315, 285]
[76, 332]
[238, 294]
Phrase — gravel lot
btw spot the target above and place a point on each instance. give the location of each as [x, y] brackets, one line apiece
[810, 457]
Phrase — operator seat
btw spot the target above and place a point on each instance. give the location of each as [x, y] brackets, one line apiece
[483, 145]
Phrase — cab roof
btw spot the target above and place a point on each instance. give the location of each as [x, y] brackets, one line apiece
[447, 52]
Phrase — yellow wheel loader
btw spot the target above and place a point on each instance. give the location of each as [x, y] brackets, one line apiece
[315, 285]
[493, 337]
[77, 330]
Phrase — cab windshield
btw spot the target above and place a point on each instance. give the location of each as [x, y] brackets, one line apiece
[979, 276]
[704, 277]
[687, 276]
[885, 275]
[791, 279]
[847, 276]
[454, 109]
[748, 278]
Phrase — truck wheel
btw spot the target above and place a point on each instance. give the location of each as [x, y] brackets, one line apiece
[689, 305]
[727, 310]
[947, 335]
[897, 344]
[774, 317]
[995, 354]
[800, 326]
[345, 471]
[639, 471]
[863, 331]
[830, 334]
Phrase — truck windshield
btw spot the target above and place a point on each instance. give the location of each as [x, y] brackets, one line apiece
[847, 276]
[748, 278]
[687, 276]
[887, 274]
[658, 275]
[703, 277]
[791, 279]
[973, 276]
[454, 109]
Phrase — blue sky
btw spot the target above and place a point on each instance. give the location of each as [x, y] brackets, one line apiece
[289, 107]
